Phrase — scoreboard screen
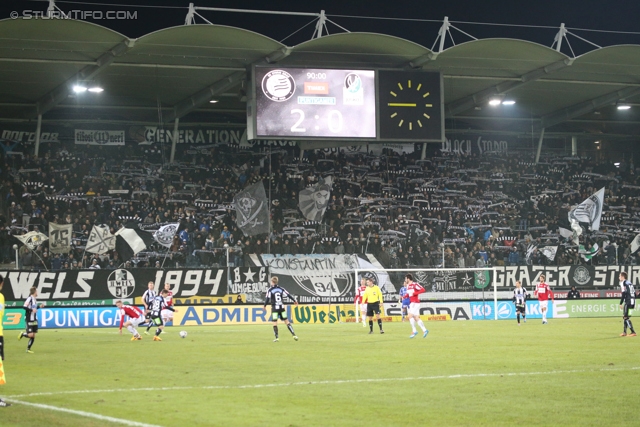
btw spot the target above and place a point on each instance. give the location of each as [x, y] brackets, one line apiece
[314, 103]
[373, 105]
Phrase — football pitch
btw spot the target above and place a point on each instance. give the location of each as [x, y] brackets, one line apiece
[569, 372]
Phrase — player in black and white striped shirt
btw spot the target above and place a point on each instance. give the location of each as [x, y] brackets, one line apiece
[147, 298]
[31, 317]
[520, 300]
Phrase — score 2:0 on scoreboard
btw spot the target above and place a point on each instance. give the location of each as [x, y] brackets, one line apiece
[314, 103]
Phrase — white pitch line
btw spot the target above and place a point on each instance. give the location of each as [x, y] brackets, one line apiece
[325, 382]
[84, 414]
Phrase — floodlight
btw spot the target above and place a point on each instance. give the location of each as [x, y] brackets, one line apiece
[494, 102]
[79, 89]
[96, 89]
[509, 102]
[624, 107]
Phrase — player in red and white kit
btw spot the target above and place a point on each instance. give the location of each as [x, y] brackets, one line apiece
[543, 292]
[414, 290]
[166, 314]
[358, 302]
[136, 317]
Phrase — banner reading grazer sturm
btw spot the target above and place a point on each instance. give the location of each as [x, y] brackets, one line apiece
[60, 238]
[91, 285]
[252, 210]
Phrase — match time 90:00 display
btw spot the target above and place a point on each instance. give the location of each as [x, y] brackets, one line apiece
[315, 103]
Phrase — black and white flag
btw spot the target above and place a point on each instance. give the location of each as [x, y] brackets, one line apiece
[635, 244]
[313, 201]
[100, 240]
[588, 212]
[32, 239]
[165, 234]
[416, 235]
[60, 238]
[252, 211]
[549, 252]
[130, 241]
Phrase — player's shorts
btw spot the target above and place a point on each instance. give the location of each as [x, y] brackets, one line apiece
[625, 310]
[157, 321]
[32, 327]
[136, 321]
[166, 314]
[373, 308]
[278, 314]
[520, 308]
[543, 304]
[363, 308]
[414, 308]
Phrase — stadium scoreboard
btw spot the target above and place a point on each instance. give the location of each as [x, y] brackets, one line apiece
[362, 104]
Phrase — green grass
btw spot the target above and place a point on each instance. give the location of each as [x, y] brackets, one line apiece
[569, 372]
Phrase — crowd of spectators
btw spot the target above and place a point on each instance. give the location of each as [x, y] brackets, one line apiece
[469, 211]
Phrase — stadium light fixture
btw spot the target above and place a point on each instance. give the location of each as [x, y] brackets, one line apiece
[509, 102]
[624, 107]
[79, 89]
[214, 101]
[596, 142]
[96, 89]
[617, 164]
[495, 102]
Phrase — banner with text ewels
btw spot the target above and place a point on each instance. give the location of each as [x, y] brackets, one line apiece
[93, 285]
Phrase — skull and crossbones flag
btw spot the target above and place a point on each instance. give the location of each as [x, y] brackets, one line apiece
[313, 201]
[252, 210]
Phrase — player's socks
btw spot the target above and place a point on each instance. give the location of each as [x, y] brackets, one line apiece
[370, 325]
[22, 335]
[275, 331]
[421, 324]
[518, 316]
[380, 323]
[524, 317]
[290, 327]
[30, 343]
[413, 325]
[130, 328]
[150, 326]
[158, 331]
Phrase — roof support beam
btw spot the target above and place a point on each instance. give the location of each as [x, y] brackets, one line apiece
[483, 96]
[205, 95]
[59, 94]
[586, 107]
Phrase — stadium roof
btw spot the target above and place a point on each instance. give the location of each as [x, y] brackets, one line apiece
[182, 68]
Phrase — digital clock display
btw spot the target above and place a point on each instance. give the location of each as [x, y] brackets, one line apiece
[314, 103]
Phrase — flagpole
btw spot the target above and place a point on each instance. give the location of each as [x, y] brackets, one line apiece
[269, 209]
[36, 254]
[165, 256]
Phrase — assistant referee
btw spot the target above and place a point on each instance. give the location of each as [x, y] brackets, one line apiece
[372, 296]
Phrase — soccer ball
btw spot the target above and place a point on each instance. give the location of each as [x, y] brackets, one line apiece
[183, 334]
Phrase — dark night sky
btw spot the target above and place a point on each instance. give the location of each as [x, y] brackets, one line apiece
[616, 15]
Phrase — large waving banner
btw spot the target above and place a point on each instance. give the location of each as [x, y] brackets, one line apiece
[322, 277]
